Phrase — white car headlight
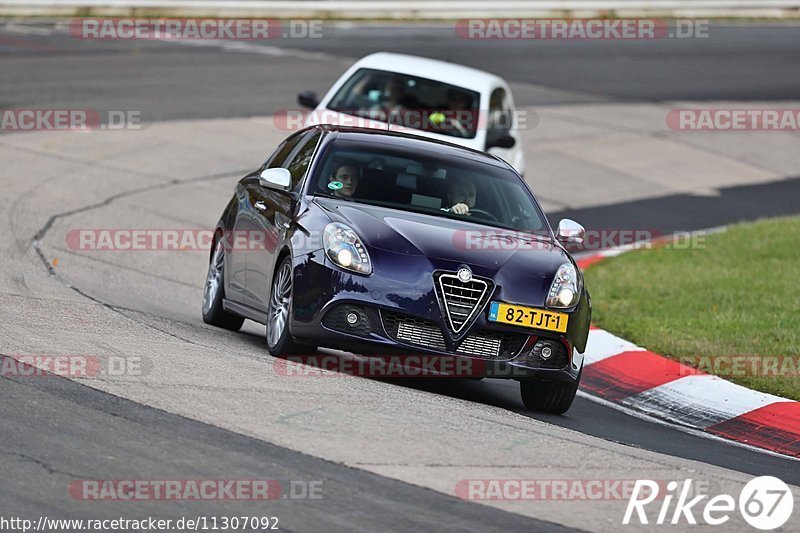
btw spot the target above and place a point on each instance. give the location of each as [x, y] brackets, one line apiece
[565, 290]
[345, 249]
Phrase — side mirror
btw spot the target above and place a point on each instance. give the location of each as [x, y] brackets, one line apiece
[570, 231]
[276, 178]
[308, 99]
[500, 139]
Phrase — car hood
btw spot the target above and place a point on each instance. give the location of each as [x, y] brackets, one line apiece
[408, 233]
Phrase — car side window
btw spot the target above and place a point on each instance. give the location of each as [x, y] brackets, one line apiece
[301, 159]
[500, 116]
[281, 154]
[517, 214]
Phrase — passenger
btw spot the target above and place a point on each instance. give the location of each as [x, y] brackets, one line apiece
[461, 194]
[394, 94]
[395, 106]
[346, 175]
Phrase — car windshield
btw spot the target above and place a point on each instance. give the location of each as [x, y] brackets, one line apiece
[424, 180]
[409, 101]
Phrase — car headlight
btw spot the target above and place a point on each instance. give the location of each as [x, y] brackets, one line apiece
[565, 290]
[345, 249]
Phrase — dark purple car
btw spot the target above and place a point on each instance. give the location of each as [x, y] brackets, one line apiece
[383, 243]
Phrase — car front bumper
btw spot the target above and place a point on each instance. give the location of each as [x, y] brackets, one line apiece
[324, 295]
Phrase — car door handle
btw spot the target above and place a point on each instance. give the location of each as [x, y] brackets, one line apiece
[261, 206]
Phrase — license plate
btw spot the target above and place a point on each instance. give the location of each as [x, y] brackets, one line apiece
[529, 317]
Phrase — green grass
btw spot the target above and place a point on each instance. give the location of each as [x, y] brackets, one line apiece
[735, 293]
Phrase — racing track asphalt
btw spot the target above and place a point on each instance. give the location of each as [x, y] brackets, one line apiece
[737, 62]
[102, 422]
[54, 431]
[685, 212]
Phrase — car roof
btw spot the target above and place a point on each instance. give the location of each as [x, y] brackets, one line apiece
[405, 140]
[432, 69]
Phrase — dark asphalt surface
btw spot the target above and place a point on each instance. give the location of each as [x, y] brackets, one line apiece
[754, 62]
[54, 431]
[595, 419]
[173, 81]
[684, 212]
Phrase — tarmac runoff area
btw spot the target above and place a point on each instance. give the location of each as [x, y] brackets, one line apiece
[147, 304]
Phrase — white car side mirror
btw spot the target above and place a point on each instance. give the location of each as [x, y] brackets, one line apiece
[570, 231]
[276, 178]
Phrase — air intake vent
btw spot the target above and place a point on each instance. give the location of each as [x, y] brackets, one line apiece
[461, 300]
[494, 344]
[413, 330]
[427, 334]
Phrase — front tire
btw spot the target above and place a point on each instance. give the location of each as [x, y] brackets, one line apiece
[548, 396]
[279, 340]
[214, 293]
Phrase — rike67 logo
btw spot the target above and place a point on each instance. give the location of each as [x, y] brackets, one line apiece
[765, 503]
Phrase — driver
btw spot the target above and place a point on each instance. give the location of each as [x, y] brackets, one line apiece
[461, 115]
[461, 194]
[343, 181]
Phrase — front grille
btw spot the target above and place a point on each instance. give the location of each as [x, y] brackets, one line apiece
[493, 344]
[461, 301]
[413, 330]
[427, 334]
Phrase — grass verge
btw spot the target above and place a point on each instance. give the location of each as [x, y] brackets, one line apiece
[730, 305]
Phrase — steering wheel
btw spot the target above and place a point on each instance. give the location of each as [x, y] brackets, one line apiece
[483, 214]
[458, 127]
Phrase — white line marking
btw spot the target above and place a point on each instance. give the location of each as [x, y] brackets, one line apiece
[691, 431]
[32, 30]
[252, 48]
[602, 345]
[700, 401]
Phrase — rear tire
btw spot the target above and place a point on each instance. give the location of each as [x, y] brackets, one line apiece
[548, 396]
[214, 293]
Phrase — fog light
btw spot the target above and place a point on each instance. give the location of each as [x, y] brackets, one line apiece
[350, 319]
[548, 353]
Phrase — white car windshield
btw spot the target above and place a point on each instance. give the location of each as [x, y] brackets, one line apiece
[409, 101]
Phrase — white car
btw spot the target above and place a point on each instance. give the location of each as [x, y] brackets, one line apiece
[426, 97]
